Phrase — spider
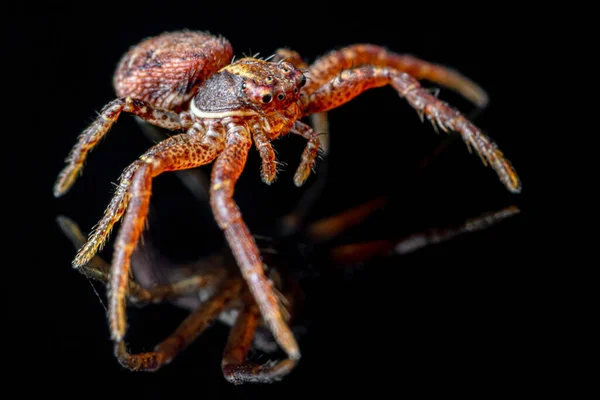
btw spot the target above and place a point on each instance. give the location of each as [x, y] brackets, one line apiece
[189, 82]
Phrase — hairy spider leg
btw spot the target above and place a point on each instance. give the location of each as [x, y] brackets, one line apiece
[199, 152]
[195, 323]
[175, 153]
[234, 365]
[328, 66]
[102, 124]
[351, 82]
[195, 180]
[225, 173]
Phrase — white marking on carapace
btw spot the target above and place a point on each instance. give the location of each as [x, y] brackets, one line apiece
[208, 114]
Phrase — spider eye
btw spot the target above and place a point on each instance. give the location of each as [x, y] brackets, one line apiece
[295, 90]
[303, 81]
[267, 98]
[280, 96]
[244, 86]
[269, 79]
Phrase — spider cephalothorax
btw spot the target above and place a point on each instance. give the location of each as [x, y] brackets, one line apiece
[186, 81]
[249, 87]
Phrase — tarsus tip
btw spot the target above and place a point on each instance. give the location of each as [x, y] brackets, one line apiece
[60, 188]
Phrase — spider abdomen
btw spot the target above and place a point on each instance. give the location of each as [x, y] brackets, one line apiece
[167, 69]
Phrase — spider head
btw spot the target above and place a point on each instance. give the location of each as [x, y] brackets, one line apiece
[269, 85]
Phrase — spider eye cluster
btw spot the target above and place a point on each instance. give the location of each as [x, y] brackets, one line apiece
[282, 84]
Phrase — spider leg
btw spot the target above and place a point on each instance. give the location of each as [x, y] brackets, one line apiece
[186, 333]
[267, 155]
[329, 65]
[359, 252]
[352, 82]
[175, 153]
[195, 180]
[234, 365]
[102, 124]
[225, 173]
[118, 204]
[310, 151]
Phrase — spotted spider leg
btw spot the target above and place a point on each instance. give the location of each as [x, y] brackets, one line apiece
[195, 180]
[175, 153]
[351, 82]
[225, 173]
[102, 124]
[199, 152]
[330, 65]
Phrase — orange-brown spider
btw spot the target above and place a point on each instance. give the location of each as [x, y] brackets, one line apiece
[186, 81]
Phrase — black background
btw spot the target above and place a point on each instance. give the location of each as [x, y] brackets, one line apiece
[453, 318]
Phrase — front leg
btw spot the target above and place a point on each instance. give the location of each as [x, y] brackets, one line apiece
[123, 194]
[105, 120]
[352, 82]
[176, 153]
[226, 171]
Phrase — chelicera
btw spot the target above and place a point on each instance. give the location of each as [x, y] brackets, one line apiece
[187, 81]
